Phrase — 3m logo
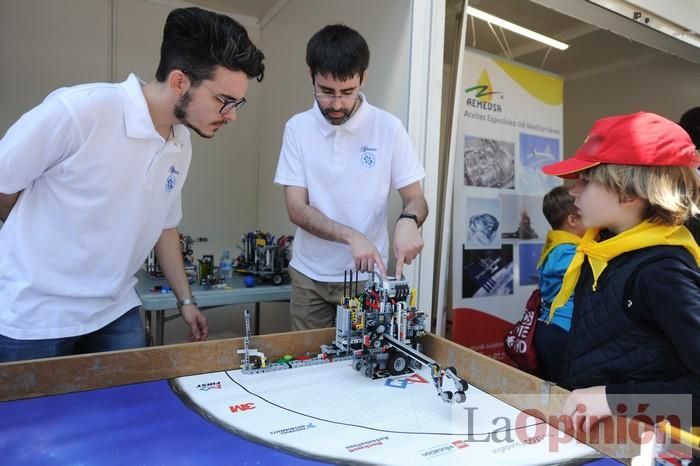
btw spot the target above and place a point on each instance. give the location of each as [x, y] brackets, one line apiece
[242, 407]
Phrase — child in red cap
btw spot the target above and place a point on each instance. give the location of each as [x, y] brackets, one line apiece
[636, 329]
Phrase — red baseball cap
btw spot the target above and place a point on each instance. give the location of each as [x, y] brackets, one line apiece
[636, 139]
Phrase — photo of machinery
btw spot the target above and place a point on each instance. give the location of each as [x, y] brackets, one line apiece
[489, 163]
[487, 272]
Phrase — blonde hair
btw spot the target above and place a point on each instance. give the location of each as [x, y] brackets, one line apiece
[672, 193]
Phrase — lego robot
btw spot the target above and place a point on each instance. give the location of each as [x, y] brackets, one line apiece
[380, 327]
[152, 267]
[265, 257]
[376, 330]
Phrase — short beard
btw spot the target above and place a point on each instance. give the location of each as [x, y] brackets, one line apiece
[336, 121]
[180, 113]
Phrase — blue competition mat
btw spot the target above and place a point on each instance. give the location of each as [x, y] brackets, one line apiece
[141, 424]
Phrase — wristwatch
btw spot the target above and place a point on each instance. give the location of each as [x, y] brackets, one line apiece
[184, 302]
[411, 216]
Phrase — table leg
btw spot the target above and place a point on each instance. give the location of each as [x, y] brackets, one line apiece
[160, 327]
[147, 326]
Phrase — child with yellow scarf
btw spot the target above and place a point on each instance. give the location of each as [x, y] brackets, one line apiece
[553, 329]
[635, 331]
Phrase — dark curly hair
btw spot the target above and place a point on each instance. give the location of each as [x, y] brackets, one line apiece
[195, 41]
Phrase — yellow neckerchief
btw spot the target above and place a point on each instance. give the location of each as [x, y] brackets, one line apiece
[644, 235]
[554, 239]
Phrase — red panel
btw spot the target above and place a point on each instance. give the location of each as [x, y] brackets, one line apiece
[481, 332]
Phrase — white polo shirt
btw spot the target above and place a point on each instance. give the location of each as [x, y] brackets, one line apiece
[348, 171]
[99, 185]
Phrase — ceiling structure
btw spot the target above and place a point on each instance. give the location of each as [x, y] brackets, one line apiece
[592, 49]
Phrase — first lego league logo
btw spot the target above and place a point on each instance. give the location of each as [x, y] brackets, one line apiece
[404, 381]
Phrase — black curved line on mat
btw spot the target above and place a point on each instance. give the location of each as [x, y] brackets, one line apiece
[375, 428]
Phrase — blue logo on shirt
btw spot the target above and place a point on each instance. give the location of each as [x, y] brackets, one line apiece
[172, 179]
[367, 158]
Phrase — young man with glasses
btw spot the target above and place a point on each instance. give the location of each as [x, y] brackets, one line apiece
[91, 180]
[337, 164]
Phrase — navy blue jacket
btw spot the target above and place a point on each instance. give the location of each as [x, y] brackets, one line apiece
[639, 332]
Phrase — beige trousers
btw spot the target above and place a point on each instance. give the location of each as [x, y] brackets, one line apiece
[313, 304]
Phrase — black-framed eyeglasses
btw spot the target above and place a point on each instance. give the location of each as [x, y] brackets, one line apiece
[327, 98]
[228, 104]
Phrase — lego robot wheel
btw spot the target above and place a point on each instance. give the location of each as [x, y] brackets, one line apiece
[367, 370]
[446, 395]
[462, 385]
[277, 279]
[380, 329]
[357, 365]
[398, 364]
[451, 369]
[460, 397]
[377, 344]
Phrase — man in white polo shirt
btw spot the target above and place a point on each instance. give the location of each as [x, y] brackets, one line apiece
[91, 180]
[338, 162]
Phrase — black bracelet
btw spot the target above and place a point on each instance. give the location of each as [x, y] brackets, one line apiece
[414, 217]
